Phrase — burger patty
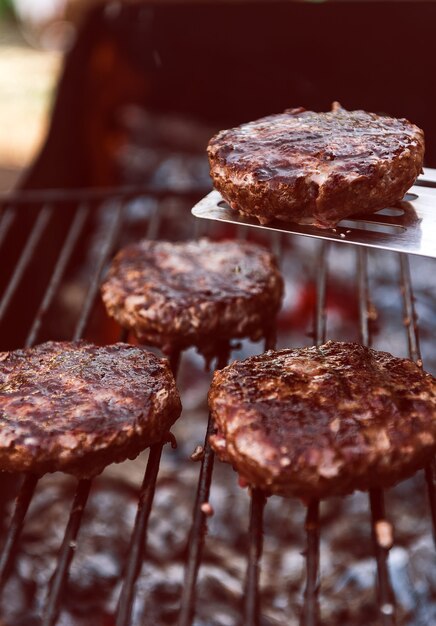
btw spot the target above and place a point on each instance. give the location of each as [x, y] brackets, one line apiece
[195, 293]
[317, 422]
[316, 168]
[76, 407]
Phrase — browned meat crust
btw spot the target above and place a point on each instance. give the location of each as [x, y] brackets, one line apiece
[76, 407]
[316, 168]
[195, 293]
[317, 422]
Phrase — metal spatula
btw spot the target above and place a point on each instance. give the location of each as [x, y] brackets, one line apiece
[409, 227]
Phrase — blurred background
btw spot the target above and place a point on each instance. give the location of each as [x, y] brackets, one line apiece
[127, 95]
[105, 93]
[28, 75]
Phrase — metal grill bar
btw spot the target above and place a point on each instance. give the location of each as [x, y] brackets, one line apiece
[6, 221]
[411, 324]
[386, 598]
[310, 612]
[320, 327]
[138, 539]
[251, 605]
[22, 504]
[199, 523]
[109, 242]
[255, 536]
[385, 594]
[66, 553]
[364, 300]
[410, 317]
[310, 615]
[198, 532]
[61, 264]
[25, 258]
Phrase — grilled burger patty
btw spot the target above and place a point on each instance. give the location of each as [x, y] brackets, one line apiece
[76, 407]
[317, 422]
[316, 168]
[195, 293]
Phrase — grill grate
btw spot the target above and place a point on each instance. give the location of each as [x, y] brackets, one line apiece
[114, 206]
[385, 593]
[66, 553]
[68, 547]
[139, 534]
[199, 524]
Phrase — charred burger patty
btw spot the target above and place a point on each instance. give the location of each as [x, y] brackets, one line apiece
[195, 293]
[316, 422]
[316, 168]
[76, 407]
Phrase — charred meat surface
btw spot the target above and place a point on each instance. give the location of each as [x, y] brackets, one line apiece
[316, 422]
[195, 293]
[76, 407]
[316, 168]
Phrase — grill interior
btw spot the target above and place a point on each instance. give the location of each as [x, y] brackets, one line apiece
[51, 291]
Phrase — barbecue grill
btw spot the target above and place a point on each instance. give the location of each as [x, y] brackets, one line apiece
[66, 238]
[113, 213]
